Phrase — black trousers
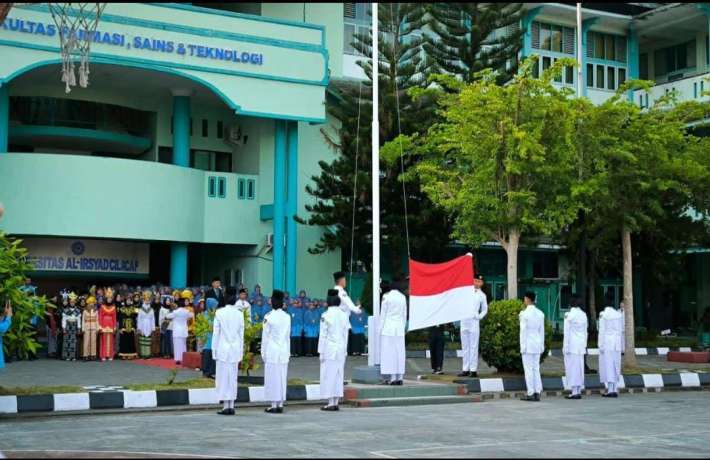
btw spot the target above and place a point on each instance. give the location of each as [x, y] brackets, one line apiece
[310, 346]
[436, 347]
[356, 344]
[209, 367]
[296, 345]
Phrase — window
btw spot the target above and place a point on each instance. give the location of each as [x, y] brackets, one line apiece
[190, 126]
[610, 77]
[606, 46]
[349, 38]
[550, 37]
[622, 76]
[674, 58]
[643, 66]
[222, 187]
[165, 155]
[211, 186]
[205, 127]
[590, 75]
[251, 189]
[556, 37]
[569, 75]
[598, 43]
[220, 130]
[600, 76]
[546, 62]
[545, 265]
[241, 189]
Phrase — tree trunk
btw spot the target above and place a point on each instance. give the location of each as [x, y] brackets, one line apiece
[629, 350]
[511, 250]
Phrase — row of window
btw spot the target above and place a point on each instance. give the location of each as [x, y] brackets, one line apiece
[603, 76]
[561, 39]
[219, 128]
[217, 188]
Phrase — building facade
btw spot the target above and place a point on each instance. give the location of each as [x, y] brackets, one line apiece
[186, 156]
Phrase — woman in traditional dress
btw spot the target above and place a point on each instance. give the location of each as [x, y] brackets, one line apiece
[71, 325]
[107, 327]
[166, 328]
[127, 315]
[146, 325]
[90, 329]
[155, 338]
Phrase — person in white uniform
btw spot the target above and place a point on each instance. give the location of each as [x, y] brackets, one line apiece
[333, 347]
[532, 344]
[179, 317]
[393, 319]
[574, 347]
[611, 344]
[243, 304]
[275, 351]
[471, 331]
[227, 350]
[346, 303]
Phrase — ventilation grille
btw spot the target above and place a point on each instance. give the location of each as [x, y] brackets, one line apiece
[535, 35]
[568, 39]
[349, 11]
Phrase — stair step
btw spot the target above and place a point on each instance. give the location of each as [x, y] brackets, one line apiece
[413, 401]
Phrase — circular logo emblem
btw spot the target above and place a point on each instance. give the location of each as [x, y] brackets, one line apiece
[77, 248]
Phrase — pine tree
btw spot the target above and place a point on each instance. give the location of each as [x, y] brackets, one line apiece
[469, 37]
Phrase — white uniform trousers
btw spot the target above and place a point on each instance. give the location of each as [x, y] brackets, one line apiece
[531, 365]
[469, 344]
[331, 378]
[392, 355]
[179, 347]
[275, 382]
[226, 381]
[609, 367]
[574, 372]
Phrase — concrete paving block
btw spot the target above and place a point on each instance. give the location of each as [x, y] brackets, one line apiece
[491, 385]
[641, 351]
[199, 396]
[71, 401]
[296, 393]
[313, 392]
[514, 384]
[591, 381]
[256, 394]
[552, 383]
[146, 398]
[106, 400]
[8, 404]
[689, 379]
[35, 403]
[652, 380]
[671, 380]
[633, 381]
[172, 397]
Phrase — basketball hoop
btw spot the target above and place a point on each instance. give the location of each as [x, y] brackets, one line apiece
[76, 24]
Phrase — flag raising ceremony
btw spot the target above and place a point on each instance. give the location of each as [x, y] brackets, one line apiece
[440, 293]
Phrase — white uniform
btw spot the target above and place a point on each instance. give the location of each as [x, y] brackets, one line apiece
[275, 351]
[346, 303]
[244, 305]
[532, 344]
[393, 318]
[574, 347]
[470, 331]
[332, 347]
[227, 350]
[611, 344]
[179, 318]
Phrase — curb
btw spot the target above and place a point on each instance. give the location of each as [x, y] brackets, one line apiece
[591, 382]
[150, 399]
[651, 351]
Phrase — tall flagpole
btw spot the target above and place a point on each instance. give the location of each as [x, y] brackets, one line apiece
[373, 338]
[579, 50]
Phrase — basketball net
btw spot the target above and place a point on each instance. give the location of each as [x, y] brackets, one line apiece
[76, 24]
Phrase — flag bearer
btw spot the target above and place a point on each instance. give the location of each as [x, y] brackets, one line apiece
[276, 351]
[471, 331]
[611, 344]
[332, 347]
[393, 318]
[346, 304]
[180, 319]
[227, 350]
[574, 348]
[532, 344]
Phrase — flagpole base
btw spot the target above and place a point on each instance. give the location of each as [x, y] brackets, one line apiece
[366, 374]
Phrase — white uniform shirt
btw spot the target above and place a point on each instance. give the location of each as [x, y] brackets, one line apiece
[244, 305]
[180, 316]
[346, 303]
[163, 316]
[611, 332]
[480, 310]
[276, 337]
[333, 338]
[575, 328]
[393, 314]
[228, 335]
[532, 330]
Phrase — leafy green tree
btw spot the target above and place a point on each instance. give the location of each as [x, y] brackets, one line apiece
[21, 339]
[469, 37]
[502, 163]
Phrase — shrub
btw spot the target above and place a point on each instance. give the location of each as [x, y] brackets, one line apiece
[500, 336]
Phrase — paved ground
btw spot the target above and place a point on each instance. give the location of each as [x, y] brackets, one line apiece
[50, 372]
[665, 424]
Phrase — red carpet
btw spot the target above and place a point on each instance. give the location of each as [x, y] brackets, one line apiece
[162, 363]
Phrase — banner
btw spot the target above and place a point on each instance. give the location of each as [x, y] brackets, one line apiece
[88, 256]
[440, 293]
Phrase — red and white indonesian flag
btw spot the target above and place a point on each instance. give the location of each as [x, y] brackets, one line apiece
[440, 293]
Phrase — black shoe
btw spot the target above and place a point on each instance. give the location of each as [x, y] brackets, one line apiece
[610, 395]
[474, 374]
[463, 374]
[273, 410]
[536, 396]
[386, 382]
[226, 412]
[330, 408]
[573, 397]
[439, 372]
[529, 398]
[398, 383]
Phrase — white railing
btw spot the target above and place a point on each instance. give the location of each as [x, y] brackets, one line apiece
[687, 89]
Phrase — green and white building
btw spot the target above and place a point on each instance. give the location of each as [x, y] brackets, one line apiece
[186, 156]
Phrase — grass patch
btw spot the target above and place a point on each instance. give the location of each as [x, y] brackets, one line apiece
[300, 382]
[28, 391]
[187, 384]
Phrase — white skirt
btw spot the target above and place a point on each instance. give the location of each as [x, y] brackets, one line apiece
[609, 366]
[392, 355]
[574, 371]
[179, 347]
[226, 381]
[331, 378]
[275, 382]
